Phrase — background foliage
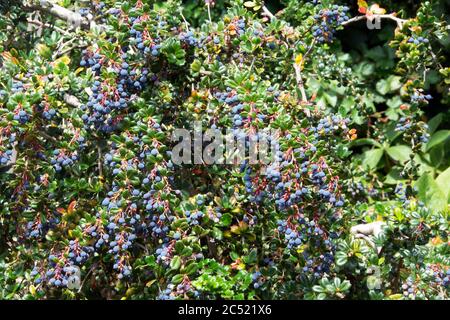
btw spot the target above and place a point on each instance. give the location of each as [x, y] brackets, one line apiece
[86, 117]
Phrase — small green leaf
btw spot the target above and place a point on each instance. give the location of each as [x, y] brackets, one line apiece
[176, 279]
[372, 157]
[430, 193]
[394, 83]
[226, 219]
[217, 233]
[382, 86]
[365, 141]
[341, 258]
[345, 286]
[337, 282]
[319, 289]
[191, 269]
[175, 263]
[443, 181]
[399, 153]
[331, 98]
[434, 123]
[437, 138]
[196, 65]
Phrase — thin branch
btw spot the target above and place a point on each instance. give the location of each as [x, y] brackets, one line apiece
[61, 45]
[59, 12]
[209, 12]
[390, 16]
[80, 46]
[99, 162]
[298, 72]
[87, 275]
[297, 67]
[48, 137]
[141, 246]
[435, 58]
[41, 24]
[298, 77]
[267, 13]
[309, 49]
[184, 19]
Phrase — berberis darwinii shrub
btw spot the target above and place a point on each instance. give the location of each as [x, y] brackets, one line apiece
[99, 200]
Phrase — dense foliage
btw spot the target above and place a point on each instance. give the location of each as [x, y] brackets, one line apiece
[355, 207]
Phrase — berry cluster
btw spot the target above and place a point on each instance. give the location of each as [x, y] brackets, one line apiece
[285, 179]
[194, 217]
[326, 22]
[409, 288]
[39, 228]
[108, 101]
[164, 253]
[62, 159]
[418, 40]
[7, 140]
[189, 39]
[59, 273]
[257, 279]
[17, 86]
[441, 276]
[142, 40]
[419, 97]
[46, 110]
[97, 9]
[21, 116]
[179, 291]
[412, 130]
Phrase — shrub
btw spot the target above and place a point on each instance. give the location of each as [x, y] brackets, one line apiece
[94, 205]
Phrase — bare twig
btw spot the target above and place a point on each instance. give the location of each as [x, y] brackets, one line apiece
[99, 161]
[87, 275]
[297, 67]
[267, 13]
[298, 77]
[59, 12]
[41, 24]
[309, 49]
[61, 45]
[141, 246]
[434, 57]
[48, 137]
[184, 19]
[390, 16]
[298, 71]
[209, 12]
[80, 46]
